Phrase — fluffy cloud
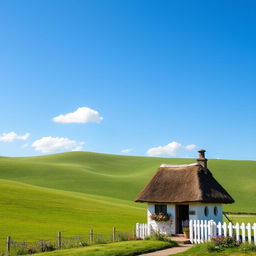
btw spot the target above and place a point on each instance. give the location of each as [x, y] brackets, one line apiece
[52, 144]
[126, 151]
[11, 136]
[170, 149]
[81, 115]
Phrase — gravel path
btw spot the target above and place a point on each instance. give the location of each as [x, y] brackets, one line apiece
[169, 251]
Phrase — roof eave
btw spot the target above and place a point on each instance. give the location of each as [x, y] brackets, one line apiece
[182, 202]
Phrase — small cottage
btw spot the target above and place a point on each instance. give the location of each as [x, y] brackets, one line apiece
[179, 193]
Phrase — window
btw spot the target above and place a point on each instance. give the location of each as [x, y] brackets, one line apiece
[215, 210]
[206, 211]
[161, 208]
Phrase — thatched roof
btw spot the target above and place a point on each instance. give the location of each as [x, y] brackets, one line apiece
[183, 184]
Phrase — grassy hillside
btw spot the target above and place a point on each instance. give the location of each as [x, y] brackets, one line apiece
[73, 191]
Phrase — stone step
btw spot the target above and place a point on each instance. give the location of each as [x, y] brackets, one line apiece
[180, 240]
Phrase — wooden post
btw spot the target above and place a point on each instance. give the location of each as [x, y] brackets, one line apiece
[91, 235]
[8, 245]
[59, 240]
[114, 234]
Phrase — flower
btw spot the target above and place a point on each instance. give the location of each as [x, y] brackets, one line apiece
[159, 217]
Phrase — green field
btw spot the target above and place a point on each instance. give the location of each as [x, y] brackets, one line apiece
[72, 192]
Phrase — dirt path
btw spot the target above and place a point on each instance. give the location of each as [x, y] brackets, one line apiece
[169, 251]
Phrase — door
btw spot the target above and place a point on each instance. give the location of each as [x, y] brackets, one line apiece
[182, 213]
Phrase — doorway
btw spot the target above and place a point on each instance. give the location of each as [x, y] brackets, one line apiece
[182, 213]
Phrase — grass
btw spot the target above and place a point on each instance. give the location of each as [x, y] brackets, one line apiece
[241, 218]
[115, 249]
[75, 191]
[31, 212]
[201, 249]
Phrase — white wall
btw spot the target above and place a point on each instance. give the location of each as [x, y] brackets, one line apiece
[170, 226]
[164, 227]
[198, 208]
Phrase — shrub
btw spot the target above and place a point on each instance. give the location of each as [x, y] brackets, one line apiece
[44, 246]
[123, 236]
[100, 239]
[24, 248]
[246, 247]
[73, 242]
[158, 236]
[212, 248]
[220, 242]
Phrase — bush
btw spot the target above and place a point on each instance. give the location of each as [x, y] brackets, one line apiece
[158, 236]
[44, 246]
[246, 247]
[73, 242]
[24, 248]
[123, 236]
[100, 239]
[221, 242]
[212, 248]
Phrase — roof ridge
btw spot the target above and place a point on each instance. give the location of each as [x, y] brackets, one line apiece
[178, 165]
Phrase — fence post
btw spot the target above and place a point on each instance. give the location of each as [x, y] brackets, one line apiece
[249, 232]
[191, 231]
[219, 228]
[202, 230]
[8, 245]
[224, 226]
[91, 235]
[209, 224]
[198, 231]
[254, 232]
[114, 234]
[195, 232]
[237, 232]
[230, 229]
[243, 232]
[137, 230]
[205, 231]
[59, 240]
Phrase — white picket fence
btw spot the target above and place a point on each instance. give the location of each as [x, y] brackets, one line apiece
[201, 231]
[142, 230]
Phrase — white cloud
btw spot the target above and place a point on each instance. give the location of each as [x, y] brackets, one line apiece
[190, 147]
[170, 149]
[11, 136]
[126, 151]
[52, 144]
[81, 115]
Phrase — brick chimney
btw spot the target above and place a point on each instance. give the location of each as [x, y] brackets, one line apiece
[201, 159]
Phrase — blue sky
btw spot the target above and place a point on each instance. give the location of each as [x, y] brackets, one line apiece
[157, 72]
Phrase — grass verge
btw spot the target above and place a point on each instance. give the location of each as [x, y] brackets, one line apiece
[114, 249]
[201, 249]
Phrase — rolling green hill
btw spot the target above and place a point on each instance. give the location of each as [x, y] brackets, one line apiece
[74, 191]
